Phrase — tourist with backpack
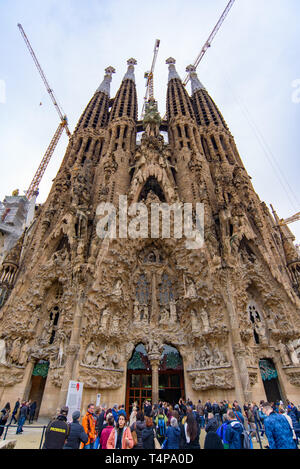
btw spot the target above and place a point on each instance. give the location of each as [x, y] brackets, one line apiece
[161, 421]
[236, 434]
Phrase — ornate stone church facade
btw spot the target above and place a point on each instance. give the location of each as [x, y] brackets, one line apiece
[147, 317]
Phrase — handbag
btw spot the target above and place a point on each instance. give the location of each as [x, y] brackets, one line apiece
[156, 442]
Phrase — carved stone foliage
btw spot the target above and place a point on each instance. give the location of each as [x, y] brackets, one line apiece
[100, 379]
[10, 375]
[218, 378]
[210, 355]
[293, 374]
[101, 356]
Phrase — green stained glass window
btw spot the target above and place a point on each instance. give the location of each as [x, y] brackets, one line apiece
[139, 359]
[267, 370]
[41, 369]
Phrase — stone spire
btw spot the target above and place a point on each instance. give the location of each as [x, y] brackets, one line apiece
[105, 85]
[129, 75]
[172, 70]
[195, 82]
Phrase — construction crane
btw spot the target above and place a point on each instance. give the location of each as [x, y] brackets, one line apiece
[291, 219]
[211, 37]
[33, 188]
[149, 95]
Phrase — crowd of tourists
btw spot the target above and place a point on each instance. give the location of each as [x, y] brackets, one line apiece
[21, 412]
[226, 425]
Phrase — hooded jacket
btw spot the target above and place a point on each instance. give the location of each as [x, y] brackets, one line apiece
[138, 426]
[233, 433]
[148, 438]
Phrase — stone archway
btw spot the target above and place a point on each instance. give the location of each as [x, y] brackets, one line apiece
[38, 382]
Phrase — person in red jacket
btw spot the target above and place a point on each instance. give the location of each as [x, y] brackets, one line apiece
[106, 431]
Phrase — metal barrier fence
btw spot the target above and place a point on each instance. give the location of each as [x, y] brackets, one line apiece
[6, 428]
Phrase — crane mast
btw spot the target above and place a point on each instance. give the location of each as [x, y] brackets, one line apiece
[149, 95]
[34, 185]
[40, 70]
[211, 37]
[33, 188]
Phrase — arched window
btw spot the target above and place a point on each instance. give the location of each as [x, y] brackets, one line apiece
[143, 290]
[166, 293]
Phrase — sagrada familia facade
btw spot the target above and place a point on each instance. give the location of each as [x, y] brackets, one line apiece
[135, 318]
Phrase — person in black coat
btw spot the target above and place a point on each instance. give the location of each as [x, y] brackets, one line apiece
[148, 434]
[15, 411]
[212, 424]
[57, 431]
[4, 417]
[77, 434]
[213, 441]
[138, 427]
[32, 409]
[189, 433]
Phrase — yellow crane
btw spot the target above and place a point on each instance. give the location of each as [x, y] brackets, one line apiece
[34, 185]
[291, 219]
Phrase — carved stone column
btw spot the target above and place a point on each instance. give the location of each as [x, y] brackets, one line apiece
[155, 379]
[71, 351]
[243, 391]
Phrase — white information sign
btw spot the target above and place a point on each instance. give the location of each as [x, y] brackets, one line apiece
[74, 397]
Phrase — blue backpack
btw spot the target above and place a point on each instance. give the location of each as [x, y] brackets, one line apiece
[161, 427]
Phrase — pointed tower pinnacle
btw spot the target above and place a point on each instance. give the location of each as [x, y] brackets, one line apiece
[172, 70]
[195, 82]
[129, 75]
[105, 85]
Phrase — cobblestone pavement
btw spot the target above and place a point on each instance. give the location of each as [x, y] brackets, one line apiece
[31, 436]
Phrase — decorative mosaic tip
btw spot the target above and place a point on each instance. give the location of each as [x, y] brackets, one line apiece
[195, 82]
[172, 70]
[105, 85]
[129, 75]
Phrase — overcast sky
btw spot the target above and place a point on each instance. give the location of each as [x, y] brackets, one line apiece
[251, 72]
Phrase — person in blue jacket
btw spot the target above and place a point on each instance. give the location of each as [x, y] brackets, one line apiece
[277, 428]
[295, 416]
[172, 439]
[221, 431]
[233, 431]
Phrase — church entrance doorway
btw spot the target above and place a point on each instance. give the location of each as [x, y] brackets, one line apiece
[38, 381]
[139, 377]
[270, 380]
[171, 381]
